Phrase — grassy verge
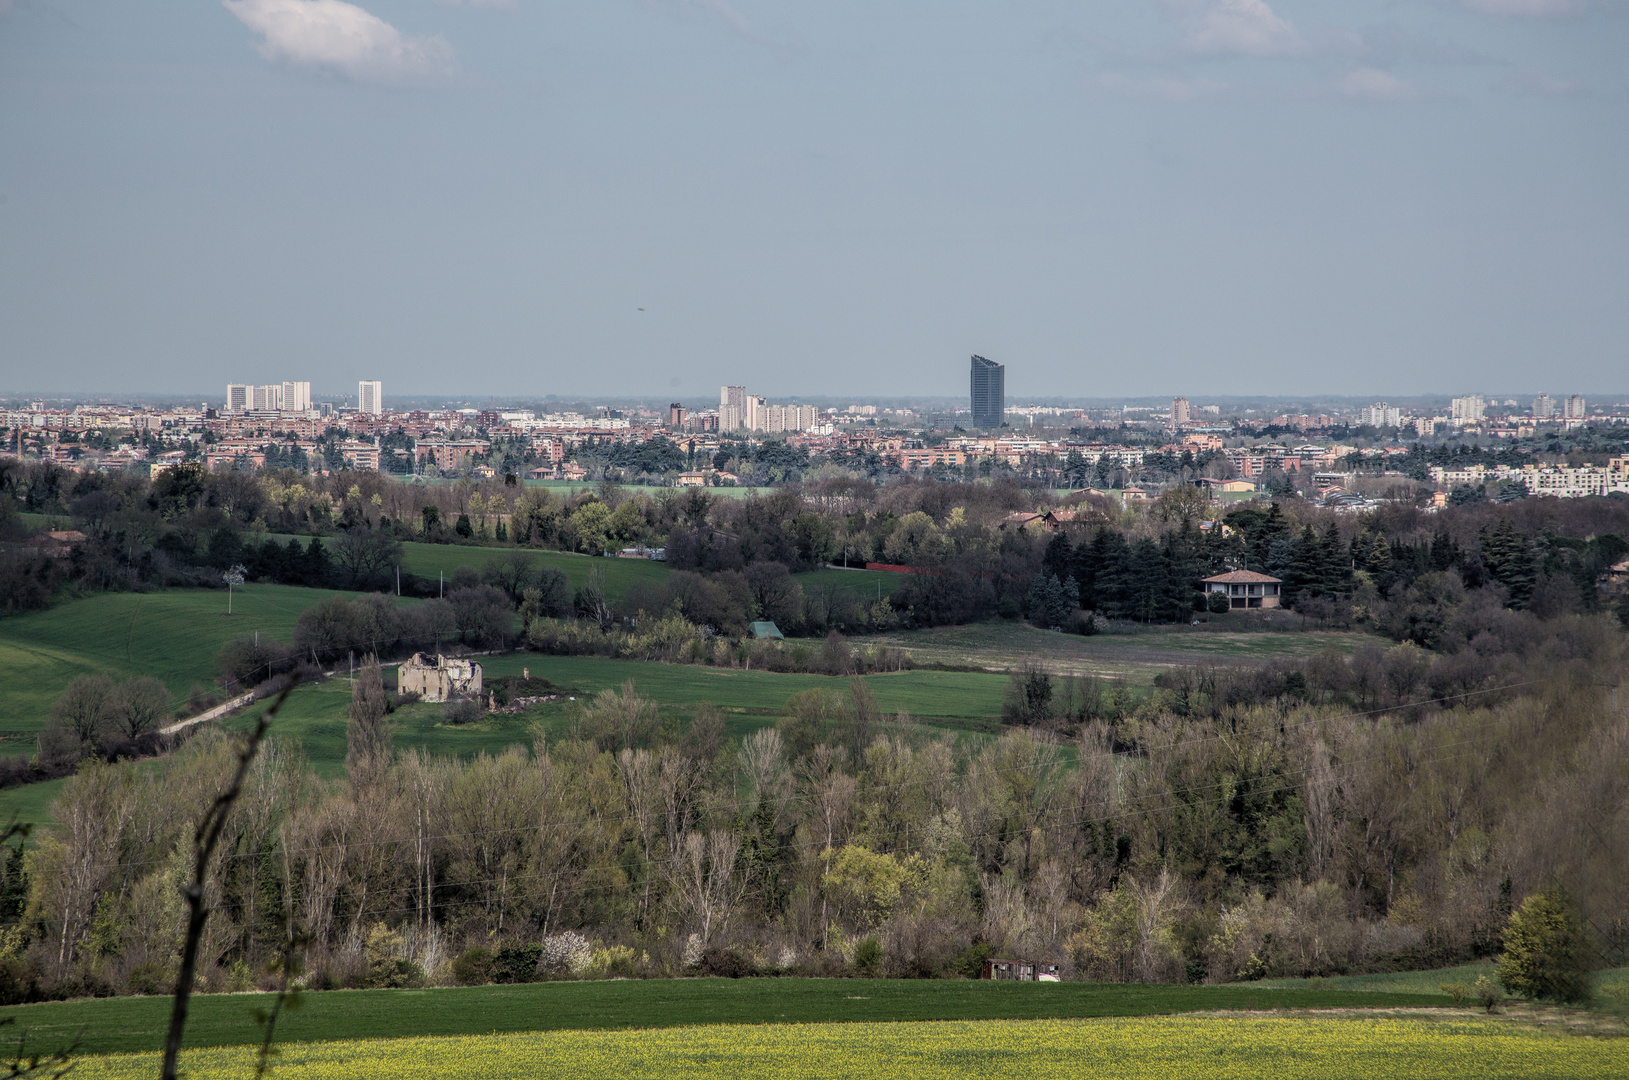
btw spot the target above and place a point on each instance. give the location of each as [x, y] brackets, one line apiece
[113, 1025]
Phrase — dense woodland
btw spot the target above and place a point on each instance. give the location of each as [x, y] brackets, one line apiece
[1388, 808]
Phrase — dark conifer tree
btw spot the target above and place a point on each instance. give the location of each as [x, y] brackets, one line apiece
[1059, 557]
[1334, 563]
[1305, 572]
[1095, 563]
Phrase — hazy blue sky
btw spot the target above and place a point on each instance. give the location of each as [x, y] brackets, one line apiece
[1112, 197]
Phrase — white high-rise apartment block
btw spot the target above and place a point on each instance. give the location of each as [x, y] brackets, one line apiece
[732, 408]
[370, 397]
[739, 410]
[268, 398]
[780, 418]
[296, 396]
[1543, 407]
[238, 397]
[1468, 409]
[1179, 411]
[1574, 408]
[1380, 415]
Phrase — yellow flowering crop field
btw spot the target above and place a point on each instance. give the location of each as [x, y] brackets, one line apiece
[1272, 1048]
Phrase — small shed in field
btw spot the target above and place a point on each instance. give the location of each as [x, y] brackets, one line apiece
[763, 630]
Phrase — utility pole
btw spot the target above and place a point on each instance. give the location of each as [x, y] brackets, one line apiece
[232, 577]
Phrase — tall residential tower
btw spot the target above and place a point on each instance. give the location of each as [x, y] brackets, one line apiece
[989, 392]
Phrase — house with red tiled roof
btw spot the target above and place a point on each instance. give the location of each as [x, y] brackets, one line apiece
[1245, 589]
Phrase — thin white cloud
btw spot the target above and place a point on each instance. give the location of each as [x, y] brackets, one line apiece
[1160, 88]
[341, 37]
[1524, 9]
[1372, 84]
[1247, 27]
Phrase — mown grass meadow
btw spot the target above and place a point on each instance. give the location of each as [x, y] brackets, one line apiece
[120, 1024]
[431, 560]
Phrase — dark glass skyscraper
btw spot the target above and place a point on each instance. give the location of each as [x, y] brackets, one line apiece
[989, 392]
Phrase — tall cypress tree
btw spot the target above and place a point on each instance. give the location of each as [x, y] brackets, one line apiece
[1334, 565]
[1059, 557]
[1146, 577]
[1182, 549]
[1305, 570]
[1094, 563]
[1509, 557]
[1445, 553]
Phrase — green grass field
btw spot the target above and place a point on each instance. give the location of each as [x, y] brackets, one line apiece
[31, 803]
[1137, 656]
[315, 718]
[174, 635]
[315, 715]
[171, 635]
[430, 560]
[866, 585]
[1418, 982]
[113, 1025]
[1141, 1048]
[961, 702]
[37, 522]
